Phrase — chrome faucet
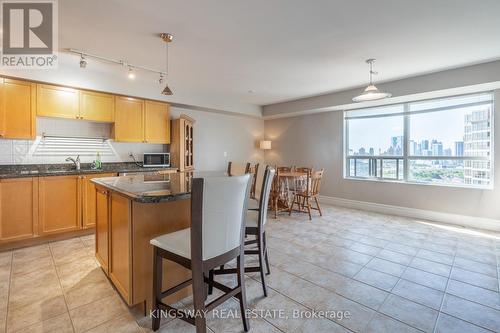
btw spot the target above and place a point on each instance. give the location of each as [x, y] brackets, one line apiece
[77, 161]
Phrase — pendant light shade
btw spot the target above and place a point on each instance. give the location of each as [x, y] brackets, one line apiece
[167, 91]
[371, 93]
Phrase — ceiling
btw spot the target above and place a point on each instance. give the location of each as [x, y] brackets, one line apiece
[282, 49]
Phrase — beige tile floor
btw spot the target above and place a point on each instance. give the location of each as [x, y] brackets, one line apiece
[391, 274]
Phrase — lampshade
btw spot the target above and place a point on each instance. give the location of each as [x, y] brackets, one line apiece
[265, 144]
[371, 93]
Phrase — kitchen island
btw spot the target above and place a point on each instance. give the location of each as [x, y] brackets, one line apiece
[131, 210]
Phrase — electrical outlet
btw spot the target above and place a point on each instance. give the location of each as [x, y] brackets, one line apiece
[225, 154]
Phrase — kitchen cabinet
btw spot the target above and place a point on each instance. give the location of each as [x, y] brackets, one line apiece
[17, 109]
[59, 204]
[129, 119]
[89, 199]
[120, 247]
[156, 122]
[102, 228]
[96, 106]
[18, 208]
[55, 101]
[182, 145]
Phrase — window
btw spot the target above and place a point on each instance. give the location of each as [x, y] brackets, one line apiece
[441, 141]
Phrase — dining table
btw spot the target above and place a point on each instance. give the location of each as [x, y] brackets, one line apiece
[287, 182]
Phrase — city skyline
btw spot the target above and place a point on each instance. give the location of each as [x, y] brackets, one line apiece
[426, 147]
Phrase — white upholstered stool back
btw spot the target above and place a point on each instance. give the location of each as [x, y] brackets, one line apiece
[267, 183]
[218, 214]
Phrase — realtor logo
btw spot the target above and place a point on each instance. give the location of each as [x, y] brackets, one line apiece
[29, 34]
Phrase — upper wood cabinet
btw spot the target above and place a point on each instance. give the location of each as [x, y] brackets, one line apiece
[59, 204]
[156, 122]
[89, 199]
[18, 208]
[129, 119]
[96, 106]
[55, 101]
[17, 109]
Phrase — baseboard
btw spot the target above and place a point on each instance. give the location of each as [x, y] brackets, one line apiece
[448, 218]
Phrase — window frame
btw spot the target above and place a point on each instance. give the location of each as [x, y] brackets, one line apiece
[406, 158]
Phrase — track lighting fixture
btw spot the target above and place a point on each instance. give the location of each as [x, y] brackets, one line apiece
[165, 37]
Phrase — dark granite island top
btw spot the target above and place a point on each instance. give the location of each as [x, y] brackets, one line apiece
[149, 187]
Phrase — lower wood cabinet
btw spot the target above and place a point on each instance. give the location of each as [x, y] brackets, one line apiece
[89, 199]
[18, 208]
[102, 228]
[60, 204]
[120, 246]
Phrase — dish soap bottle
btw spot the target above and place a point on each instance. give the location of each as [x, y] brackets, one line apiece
[98, 164]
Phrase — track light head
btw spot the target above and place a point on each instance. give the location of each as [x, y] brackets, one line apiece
[131, 74]
[83, 62]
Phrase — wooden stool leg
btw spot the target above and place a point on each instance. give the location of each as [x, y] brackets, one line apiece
[211, 280]
[266, 257]
[317, 204]
[199, 302]
[260, 245]
[309, 209]
[242, 296]
[157, 285]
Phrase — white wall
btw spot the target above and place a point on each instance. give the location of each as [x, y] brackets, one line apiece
[317, 140]
[216, 134]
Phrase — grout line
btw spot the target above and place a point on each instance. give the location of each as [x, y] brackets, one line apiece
[60, 285]
[8, 294]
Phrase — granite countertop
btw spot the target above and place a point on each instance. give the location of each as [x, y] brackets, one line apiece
[43, 170]
[153, 187]
[150, 187]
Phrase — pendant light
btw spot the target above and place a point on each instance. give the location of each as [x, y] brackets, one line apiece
[167, 38]
[371, 93]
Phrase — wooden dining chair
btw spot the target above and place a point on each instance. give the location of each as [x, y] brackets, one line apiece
[216, 237]
[255, 226]
[254, 171]
[237, 169]
[284, 168]
[311, 190]
[303, 169]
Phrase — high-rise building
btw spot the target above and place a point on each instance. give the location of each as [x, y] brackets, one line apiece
[437, 148]
[397, 145]
[477, 142]
[413, 148]
[459, 148]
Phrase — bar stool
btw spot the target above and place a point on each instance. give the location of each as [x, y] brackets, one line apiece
[255, 226]
[216, 236]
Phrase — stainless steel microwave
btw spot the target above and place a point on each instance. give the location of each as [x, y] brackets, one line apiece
[156, 160]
